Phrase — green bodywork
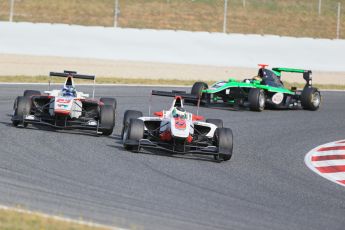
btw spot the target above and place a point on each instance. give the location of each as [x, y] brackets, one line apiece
[232, 83]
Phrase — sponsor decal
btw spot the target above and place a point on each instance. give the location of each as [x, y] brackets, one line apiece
[62, 106]
[180, 124]
[63, 100]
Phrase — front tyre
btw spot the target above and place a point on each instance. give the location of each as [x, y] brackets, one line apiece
[257, 99]
[310, 99]
[109, 101]
[134, 132]
[216, 122]
[107, 120]
[30, 93]
[129, 114]
[224, 142]
[22, 107]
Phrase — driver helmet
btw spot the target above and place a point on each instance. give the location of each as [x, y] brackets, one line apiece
[68, 90]
[179, 112]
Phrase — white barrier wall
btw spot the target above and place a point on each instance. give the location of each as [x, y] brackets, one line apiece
[167, 46]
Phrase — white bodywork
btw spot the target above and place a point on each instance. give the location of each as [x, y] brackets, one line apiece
[168, 123]
[68, 105]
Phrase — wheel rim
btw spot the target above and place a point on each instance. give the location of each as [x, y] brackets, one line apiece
[125, 134]
[261, 100]
[315, 100]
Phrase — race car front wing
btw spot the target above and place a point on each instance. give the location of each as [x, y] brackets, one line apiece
[67, 124]
[188, 148]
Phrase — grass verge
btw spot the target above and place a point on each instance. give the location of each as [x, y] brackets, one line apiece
[299, 18]
[23, 220]
[141, 81]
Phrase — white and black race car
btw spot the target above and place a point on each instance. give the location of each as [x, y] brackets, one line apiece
[65, 108]
[177, 131]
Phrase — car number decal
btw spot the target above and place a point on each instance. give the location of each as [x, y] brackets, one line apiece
[277, 98]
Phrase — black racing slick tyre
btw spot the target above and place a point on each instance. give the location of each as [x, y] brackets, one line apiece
[310, 99]
[257, 99]
[197, 91]
[133, 132]
[129, 114]
[106, 120]
[224, 142]
[217, 122]
[109, 101]
[29, 93]
[21, 107]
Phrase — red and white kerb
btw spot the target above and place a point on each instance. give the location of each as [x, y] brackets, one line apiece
[328, 160]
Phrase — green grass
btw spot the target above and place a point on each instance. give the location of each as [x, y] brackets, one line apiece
[298, 18]
[15, 220]
[141, 81]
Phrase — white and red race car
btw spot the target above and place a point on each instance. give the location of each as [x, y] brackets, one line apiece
[177, 131]
[65, 108]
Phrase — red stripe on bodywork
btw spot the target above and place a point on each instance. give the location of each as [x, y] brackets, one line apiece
[328, 157]
[64, 112]
[331, 169]
[331, 148]
[197, 118]
[341, 181]
[158, 114]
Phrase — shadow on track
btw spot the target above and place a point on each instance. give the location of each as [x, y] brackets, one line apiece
[8, 124]
[39, 128]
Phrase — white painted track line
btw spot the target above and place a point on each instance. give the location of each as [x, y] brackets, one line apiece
[327, 153]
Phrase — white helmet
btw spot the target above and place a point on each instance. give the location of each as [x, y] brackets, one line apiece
[179, 112]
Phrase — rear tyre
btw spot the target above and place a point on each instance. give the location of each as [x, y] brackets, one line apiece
[107, 120]
[310, 99]
[129, 114]
[29, 93]
[133, 132]
[217, 122]
[22, 107]
[224, 142]
[197, 91]
[257, 99]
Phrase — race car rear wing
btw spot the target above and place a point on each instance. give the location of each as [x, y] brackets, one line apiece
[73, 74]
[306, 74]
[175, 93]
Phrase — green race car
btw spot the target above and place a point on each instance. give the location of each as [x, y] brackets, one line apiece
[265, 91]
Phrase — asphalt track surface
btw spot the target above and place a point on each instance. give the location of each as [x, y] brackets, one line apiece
[266, 184]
